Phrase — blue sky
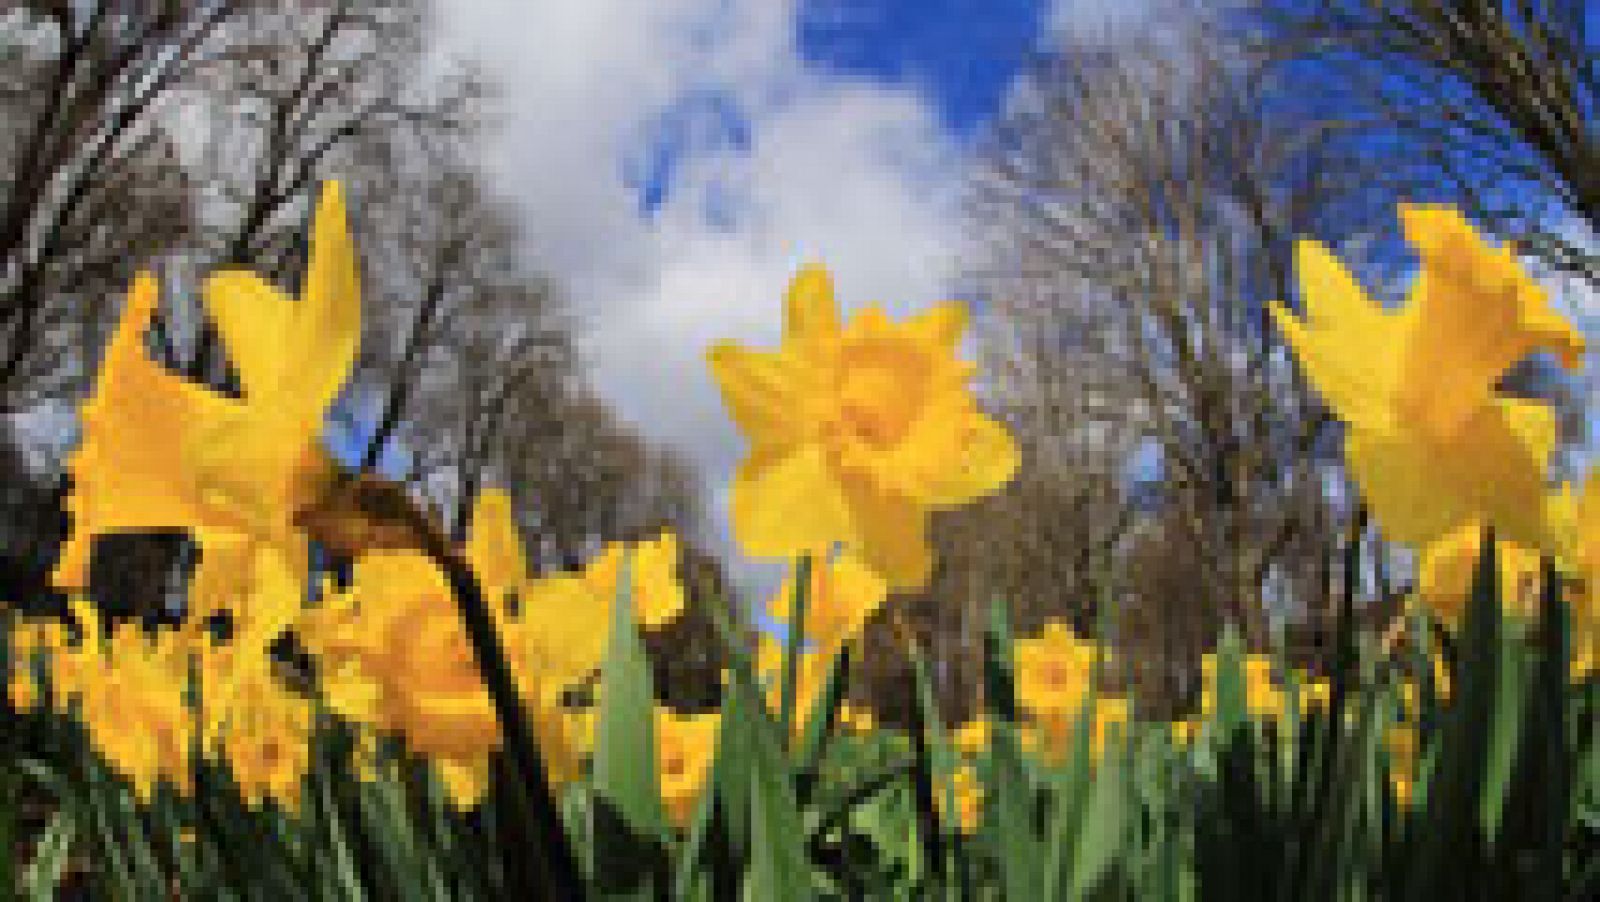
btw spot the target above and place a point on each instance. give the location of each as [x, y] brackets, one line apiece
[963, 54]
[960, 55]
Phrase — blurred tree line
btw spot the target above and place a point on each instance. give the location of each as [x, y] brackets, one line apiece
[184, 135]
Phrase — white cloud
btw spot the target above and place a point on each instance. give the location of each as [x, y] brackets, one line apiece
[782, 163]
[1093, 22]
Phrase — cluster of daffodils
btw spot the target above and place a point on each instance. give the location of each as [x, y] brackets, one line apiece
[1438, 450]
[239, 475]
[857, 430]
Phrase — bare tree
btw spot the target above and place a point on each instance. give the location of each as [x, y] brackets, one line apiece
[1138, 209]
[93, 185]
[1491, 104]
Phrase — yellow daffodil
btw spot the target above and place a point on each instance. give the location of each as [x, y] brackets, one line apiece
[127, 471]
[565, 619]
[415, 651]
[1183, 732]
[1400, 743]
[1057, 727]
[392, 654]
[968, 793]
[1054, 670]
[843, 596]
[1583, 599]
[685, 746]
[293, 357]
[811, 673]
[856, 431]
[857, 719]
[1314, 695]
[129, 677]
[971, 739]
[1431, 441]
[494, 548]
[158, 452]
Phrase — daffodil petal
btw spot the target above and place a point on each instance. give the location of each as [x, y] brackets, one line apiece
[953, 455]
[1412, 495]
[891, 534]
[786, 504]
[1478, 313]
[811, 315]
[253, 317]
[760, 390]
[328, 323]
[940, 326]
[127, 471]
[494, 548]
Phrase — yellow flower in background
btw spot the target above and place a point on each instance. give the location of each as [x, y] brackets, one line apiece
[1400, 743]
[1431, 441]
[811, 674]
[968, 792]
[565, 619]
[1314, 695]
[494, 548]
[129, 690]
[843, 596]
[1262, 697]
[657, 594]
[393, 655]
[857, 719]
[416, 653]
[30, 640]
[685, 746]
[562, 629]
[1583, 599]
[1054, 670]
[1057, 727]
[1183, 731]
[159, 452]
[856, 431]
[971, 739]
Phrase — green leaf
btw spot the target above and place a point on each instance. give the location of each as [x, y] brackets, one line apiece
[628, 817]
[1073, 785]
[1451, 837]
[1008, 789]
[43, 874]
[778, 866]
[824, 714]
[1103, 829]
[793, 645]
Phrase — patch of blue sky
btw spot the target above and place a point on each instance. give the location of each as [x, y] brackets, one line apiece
[703, 121]
[962, 54]
[349, 430]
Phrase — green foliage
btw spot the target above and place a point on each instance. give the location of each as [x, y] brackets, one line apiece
[1505, 801]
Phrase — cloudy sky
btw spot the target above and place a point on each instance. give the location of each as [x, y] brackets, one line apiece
[673, 161]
